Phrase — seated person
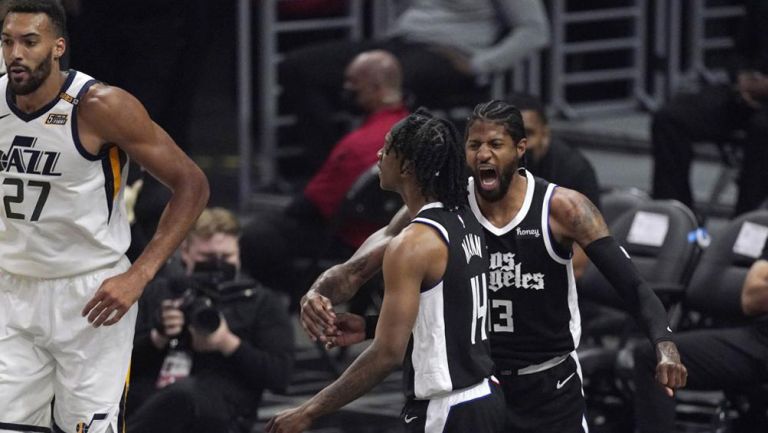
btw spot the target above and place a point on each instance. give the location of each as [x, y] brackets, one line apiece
[717, 359]
[550, 158]
[373, 84]
[714, 113]
[443, 45]
[207, 344]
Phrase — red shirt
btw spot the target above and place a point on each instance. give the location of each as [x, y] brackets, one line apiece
[349, 158]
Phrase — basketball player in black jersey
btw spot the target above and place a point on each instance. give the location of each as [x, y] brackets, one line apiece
[530, 226]
[434, 314]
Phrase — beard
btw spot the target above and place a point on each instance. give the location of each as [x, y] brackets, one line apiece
[36, 77]
[505, 180]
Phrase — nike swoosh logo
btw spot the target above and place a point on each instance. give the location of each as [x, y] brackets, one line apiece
[5, 115]
[408, 420]
[668, 328]
[561, 384]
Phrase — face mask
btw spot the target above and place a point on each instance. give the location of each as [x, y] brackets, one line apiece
[349, 101]
[214, 271]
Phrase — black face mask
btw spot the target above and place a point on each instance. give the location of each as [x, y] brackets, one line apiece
[214, 270]
[349, 101]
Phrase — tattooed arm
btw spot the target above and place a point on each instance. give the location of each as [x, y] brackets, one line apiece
[416, 257]
[339, 283]
[573, 218]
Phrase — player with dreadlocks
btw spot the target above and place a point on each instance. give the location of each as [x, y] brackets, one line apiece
[433, 316]
[530, 226]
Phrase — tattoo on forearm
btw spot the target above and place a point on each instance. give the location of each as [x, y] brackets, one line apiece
[365, 372]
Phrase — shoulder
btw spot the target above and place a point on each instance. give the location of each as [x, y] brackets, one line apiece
[113, 113]
[102, 100]
[416, 243]
[568, 204]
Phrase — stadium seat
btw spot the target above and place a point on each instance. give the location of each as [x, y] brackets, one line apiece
[713, 299]
[665, 242]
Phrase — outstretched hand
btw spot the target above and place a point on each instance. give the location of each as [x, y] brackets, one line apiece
[670, 371]
[317, 316]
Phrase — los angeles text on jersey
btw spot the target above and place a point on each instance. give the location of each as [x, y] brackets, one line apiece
[505, 271]
[22, 157]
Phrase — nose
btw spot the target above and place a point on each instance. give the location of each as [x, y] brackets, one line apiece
[16, 51]
[483, 153]
[380, 154]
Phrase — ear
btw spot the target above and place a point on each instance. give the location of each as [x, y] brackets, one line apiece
[59, 48]
[406, 169]
[521, 146]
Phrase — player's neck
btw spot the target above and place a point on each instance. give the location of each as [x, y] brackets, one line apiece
[44, 94]
[414, 199]
[502, 211]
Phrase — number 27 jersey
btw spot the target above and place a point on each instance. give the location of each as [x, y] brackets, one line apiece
[63, 212]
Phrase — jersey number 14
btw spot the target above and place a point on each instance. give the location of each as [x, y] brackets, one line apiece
[479, 307]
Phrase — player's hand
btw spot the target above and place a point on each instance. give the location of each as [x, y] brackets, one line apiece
[113, 298]
[350, 329]
[221, 340]
[293, 420]
[317, 316]
[670, 372]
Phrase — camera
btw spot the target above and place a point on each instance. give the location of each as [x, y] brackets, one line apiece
[211, 285]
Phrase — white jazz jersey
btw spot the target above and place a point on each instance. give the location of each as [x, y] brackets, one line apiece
[63, 212]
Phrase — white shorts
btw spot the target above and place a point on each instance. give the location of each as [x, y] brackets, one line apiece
[48, 349]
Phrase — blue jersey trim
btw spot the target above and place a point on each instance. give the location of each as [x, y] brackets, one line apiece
[10, 99]
[75, 134]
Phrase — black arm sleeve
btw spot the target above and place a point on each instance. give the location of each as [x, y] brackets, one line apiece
[642, 303]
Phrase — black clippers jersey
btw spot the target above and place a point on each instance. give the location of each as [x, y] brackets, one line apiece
[449, 346]
[534, 308]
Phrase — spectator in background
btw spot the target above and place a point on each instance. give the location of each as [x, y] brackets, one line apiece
[713, 114]
[191, 373]
[550, 158]
[372, 83]
[443, 45]
[726, 358]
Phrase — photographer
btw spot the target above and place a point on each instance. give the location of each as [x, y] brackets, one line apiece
[209, 341]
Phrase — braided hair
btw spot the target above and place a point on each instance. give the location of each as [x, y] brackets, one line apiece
[434, 148]
[501, 113]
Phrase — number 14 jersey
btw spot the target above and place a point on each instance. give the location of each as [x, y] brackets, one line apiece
[63, 212]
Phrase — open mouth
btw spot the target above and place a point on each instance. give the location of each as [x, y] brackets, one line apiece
[489, 177]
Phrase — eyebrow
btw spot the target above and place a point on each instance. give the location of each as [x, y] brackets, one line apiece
[25, 35]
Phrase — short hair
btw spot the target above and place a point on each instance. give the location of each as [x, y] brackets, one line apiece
[499, 112]
[434, 148]
[52, 8]
[213, 221]
[525, 101]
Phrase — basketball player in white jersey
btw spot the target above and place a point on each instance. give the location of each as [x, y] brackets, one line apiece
[67, 292]
[433, 316]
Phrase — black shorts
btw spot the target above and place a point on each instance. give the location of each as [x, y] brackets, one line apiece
[548, 401]
[477, 409]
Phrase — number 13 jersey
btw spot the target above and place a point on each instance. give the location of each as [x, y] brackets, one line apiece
[533, 303]
[63, 212]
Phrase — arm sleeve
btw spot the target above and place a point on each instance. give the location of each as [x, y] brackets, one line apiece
[643, 304]
[529, 32]
[265, 357]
